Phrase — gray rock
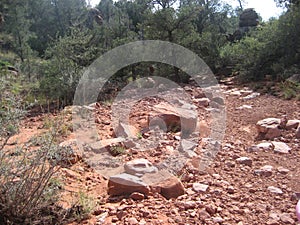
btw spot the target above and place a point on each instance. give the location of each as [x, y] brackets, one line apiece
[283, 170]
[200, 188]
[292, 124]
[275, 190]
[265, 171]
[188, 147]
[251, 96]
[280, 147]
[139, 167]
[286, 218]
[126, 130]
[264, 146]
[245, 161]
[244, 107]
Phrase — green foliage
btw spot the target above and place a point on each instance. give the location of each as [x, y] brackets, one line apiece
[85, 206]
[273, 49]
[24, 173]
[117, 150]
[63, 71]
[290, 90]
[11, 110]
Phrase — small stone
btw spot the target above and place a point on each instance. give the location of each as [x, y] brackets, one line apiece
[251, 96]
[203, 214]
[265, 171]
[189, 205]
[244, 107]
[298, 132]
[132, 221]
[202, 101]
[186, 145]
[275, 190]
[286, 218]
[274, 216]
[245, 161]
[129, 143]
[218, 219]
[200, 188]
[292, 124]
[295, 196]
[281, 147]
[230, 190]
[137, 196]
[283, 170]
[210, 210]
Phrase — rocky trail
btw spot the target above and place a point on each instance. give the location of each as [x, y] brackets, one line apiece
[253, 179]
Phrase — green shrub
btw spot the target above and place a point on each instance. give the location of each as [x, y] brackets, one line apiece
[25, 174]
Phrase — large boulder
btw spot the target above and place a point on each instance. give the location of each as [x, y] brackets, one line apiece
[173, 118]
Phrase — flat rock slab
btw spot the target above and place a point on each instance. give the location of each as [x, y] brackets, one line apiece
[126, 184]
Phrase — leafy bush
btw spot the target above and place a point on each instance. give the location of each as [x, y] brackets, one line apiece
[273, 49]
[25, 174]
